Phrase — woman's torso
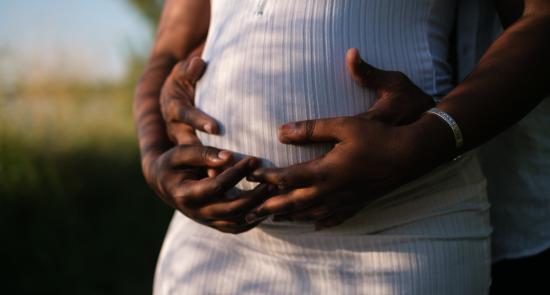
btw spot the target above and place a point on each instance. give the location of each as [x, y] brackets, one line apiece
[272, 62]
[277, 61]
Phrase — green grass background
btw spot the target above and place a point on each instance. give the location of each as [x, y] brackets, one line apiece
[75, 214]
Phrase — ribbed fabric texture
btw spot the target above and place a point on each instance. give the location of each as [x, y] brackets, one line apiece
[519, 187]
[272, 62]
[277, 61]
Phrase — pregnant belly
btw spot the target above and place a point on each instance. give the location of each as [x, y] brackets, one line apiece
[281, 66]
[252, 94]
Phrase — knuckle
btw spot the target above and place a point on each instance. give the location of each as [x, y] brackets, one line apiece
[182, 199]
[346, 124]
[208, 153]
[217, 188]
[310, 126]
[234, 211]
[181, 202]
[206, 213]
[172, 111]
[180, 70]
[269, 205]
[184, 113]
[224, 212]
[282, 181]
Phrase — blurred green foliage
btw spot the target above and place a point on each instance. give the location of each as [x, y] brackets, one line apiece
[150, 9]
[75, 214]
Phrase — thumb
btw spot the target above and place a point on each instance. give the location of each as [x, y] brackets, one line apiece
[189, 71]
[363, 73]
[320, 130]
[195, 69]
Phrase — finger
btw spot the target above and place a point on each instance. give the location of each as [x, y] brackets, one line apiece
[198, 156]
[211, 172]
[189, 71]
[181, 134]
[210, 189]
[339, 216]
[231, 176]
[297, 175]
[195, 69]
[180, 106]
[320, 130]
[306, 215]
[238, 207]
[363, 73]
[196, 118]
[383, 114]
[286, 203]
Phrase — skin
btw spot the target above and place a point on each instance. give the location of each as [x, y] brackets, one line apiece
[178, 173]
[332, 187]
[509, 81]
[393, 136]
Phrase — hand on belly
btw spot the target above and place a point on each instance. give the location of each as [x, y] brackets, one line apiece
[330, 189]
[186, 176]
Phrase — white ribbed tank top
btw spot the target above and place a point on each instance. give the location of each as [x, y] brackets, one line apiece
[278, 61]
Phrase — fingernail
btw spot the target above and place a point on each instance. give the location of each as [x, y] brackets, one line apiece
[224, 155]
[211, 172]
[208, 128]
[287, 130]
[288, 127]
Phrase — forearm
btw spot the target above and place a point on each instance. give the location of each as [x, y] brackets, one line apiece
[509, 81]
[183, 27]
[151, 130]
[182, 30]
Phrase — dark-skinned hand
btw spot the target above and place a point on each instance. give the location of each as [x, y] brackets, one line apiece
[177, 102]
[370, 156]
[199, 180]
[399, 102]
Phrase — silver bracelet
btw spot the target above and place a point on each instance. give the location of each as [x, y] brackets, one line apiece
[459, 140]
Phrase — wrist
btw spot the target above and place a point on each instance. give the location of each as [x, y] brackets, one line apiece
[148, 166]
[429, 143]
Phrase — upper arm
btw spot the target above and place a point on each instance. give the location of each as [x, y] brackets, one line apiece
[183, 26]
[511, 10]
